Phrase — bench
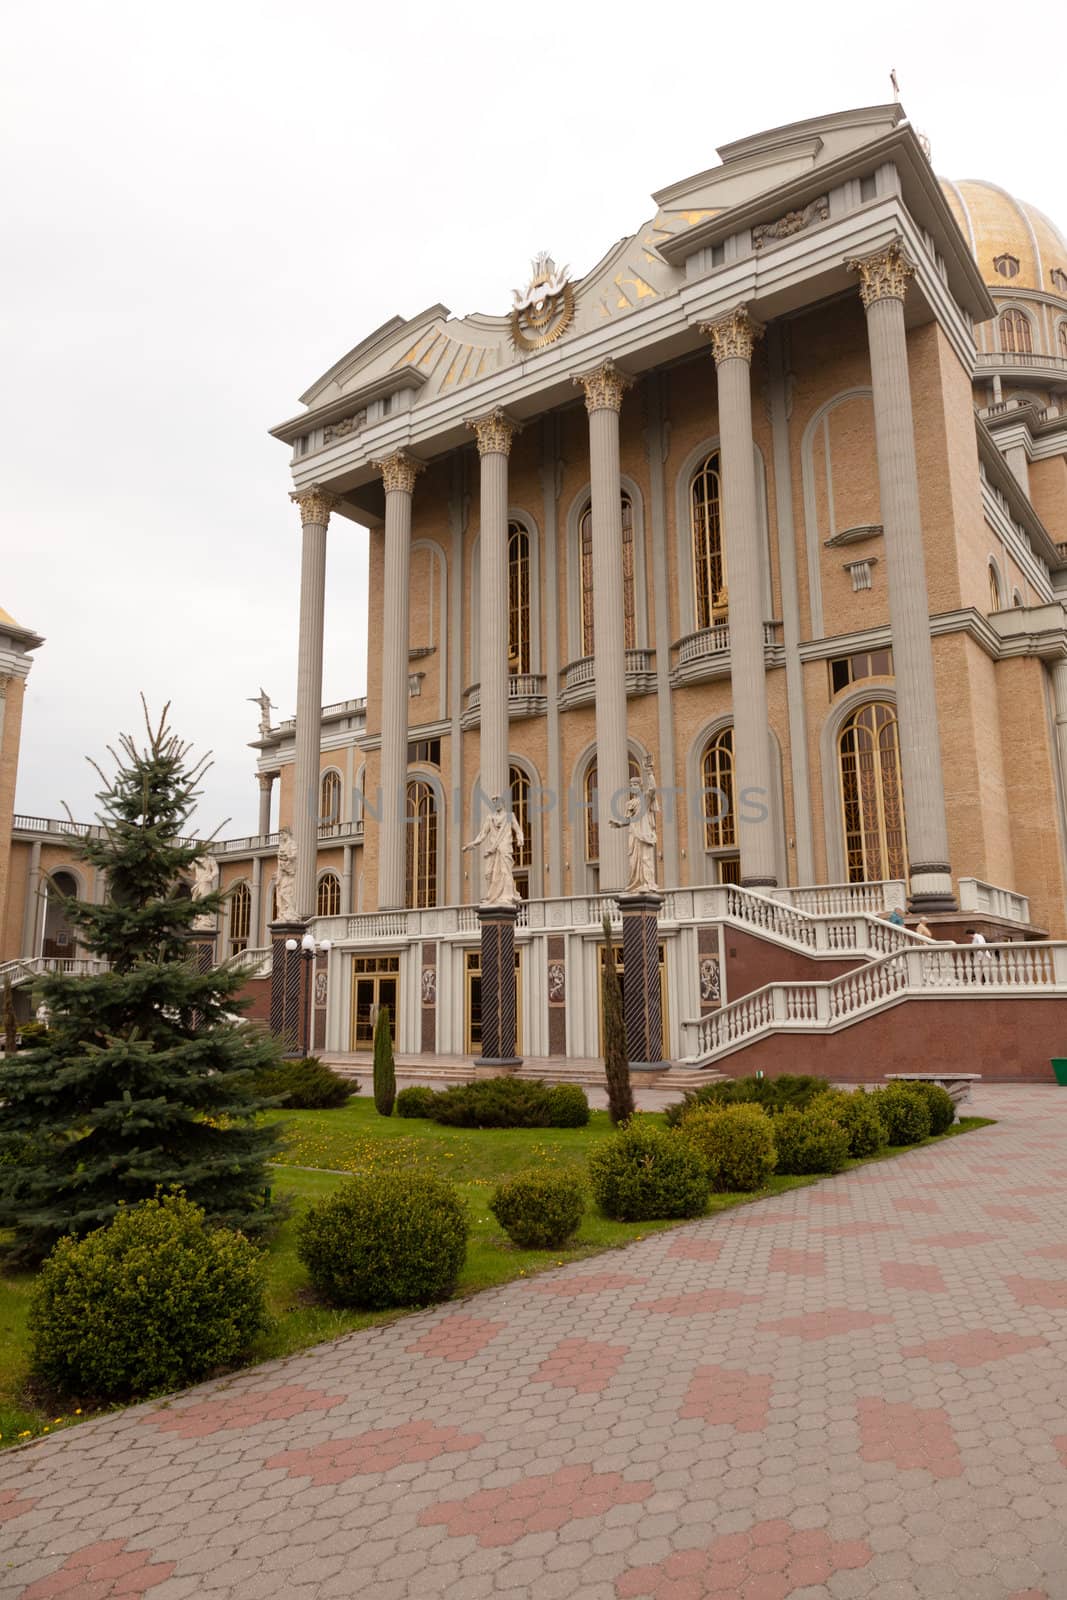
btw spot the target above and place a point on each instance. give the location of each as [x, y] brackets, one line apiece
[958, 1084]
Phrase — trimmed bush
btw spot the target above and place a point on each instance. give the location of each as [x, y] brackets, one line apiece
[773, 1094]
[567, 1106]
[306, 1085]
[384, 1066]
[539, 1209]
[941, 1105]
[417, 1101]
[809, 1141]
[642, 1173]
[736, 1144]
[858, 1115]
[904, 1111]
[155, 1300]
[493, 1103]
[385, 1239]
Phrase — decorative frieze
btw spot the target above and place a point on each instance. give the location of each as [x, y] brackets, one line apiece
[883, 275]
[604, 388]
[792, 222]
[315, 505]
[733, 337]
[494, 432]
[344, 426]
[399, 471]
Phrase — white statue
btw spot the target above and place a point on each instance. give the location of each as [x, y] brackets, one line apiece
[205, 882]
[265, 703]
[285, 890]
[640, 823]
[500, 833]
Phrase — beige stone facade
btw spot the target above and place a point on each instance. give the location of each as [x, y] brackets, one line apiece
[887, 358]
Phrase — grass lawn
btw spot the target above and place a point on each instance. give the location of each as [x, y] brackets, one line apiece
[321, 1148]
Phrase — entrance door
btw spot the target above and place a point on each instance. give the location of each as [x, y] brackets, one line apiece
[620, 967]
[473, 982]
[375, 983]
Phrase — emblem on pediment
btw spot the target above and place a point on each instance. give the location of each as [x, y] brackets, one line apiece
[545, 308]
[792, 222]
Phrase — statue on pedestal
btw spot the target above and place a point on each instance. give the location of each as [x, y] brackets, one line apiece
[265, 704]
[205, 882]
[285, 887]
[640, 823]
[500, 833]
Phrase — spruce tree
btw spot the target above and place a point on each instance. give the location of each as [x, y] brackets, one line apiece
[11, 1027]
[621, 1106]
[384, 1065]
[145, 1076]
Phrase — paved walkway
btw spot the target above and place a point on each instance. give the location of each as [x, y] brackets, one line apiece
[855, 1389]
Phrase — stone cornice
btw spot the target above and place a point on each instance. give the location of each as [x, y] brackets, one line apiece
[1000, 475]
[965, 620]
[295, 427]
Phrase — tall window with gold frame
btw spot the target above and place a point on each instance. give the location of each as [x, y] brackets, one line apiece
[717, 771]
[518, 598]
[629, 604]
[592, 826]
[520, 810]
[421, 844]
[328, 896]
[996, 601]
[330, 798]
[709, 567]
[1061, 338]
[1015, 335]
[240, 917]
[872, 795]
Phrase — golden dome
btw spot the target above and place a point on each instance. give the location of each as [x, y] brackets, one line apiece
[1015, 244]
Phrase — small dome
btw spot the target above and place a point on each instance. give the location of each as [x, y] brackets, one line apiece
[1015, 244]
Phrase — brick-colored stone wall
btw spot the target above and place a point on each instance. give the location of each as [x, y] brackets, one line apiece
[752, 962]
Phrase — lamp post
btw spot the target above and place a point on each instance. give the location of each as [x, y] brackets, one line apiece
[309, 948]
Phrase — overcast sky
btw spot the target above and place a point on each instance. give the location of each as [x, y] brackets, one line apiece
[208, 204]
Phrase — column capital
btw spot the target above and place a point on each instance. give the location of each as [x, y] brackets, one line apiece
[315, 504]
[266, 780]
[733, 336]
[884, 274]
[604, 387]
[399, 471]
[494, 432]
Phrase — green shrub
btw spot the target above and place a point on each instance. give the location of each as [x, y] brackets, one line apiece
[539, 1209]
[494, 1103]
[384, 1065]
[809, 1141]
[643, 1172]
[31, 1034]
[904, 1111]
[773, 1094]
[567, 1106]
[155, 1300]
[417, 1101]
[736, 1144]
[306, 1085]
[858, 1115]
[941, 1105]
[385, 1239]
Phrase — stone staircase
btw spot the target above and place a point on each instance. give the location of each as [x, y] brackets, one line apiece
[442, 1070]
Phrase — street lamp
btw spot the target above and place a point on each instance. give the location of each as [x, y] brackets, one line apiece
[309, 947]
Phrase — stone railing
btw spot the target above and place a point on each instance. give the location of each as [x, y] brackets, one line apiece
[852, 933]
[255, 962]
[834, 899]
[986, 897]
[339, 708]
[572, 911]
[527, 696]
[269, 841]
[26, 968]
[944, 970]
[1022, 358]
[578, 678]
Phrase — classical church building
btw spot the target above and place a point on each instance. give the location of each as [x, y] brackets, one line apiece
[772, 502]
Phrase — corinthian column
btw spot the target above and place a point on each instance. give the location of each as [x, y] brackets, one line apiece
[883, 285]
[399, 472]
[494, 433]
[315, 507]
[604, 390]
[733, 338]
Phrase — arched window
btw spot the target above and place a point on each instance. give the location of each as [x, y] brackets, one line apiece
[328, 897]
[1059, 280]
[709, 569]
[585, 539]
[592, 826]
[717, 771]
[330, 798]
[995, 601]
[1015, 335]
[240, 917]
[518, 598]
[1007, 266]
[1017, 600]
[1061, 338]
[421, 844]
[872, 797]
[520, 809]
[274, 901]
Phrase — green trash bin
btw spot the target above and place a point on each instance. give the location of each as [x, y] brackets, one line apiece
[1059, 1067]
